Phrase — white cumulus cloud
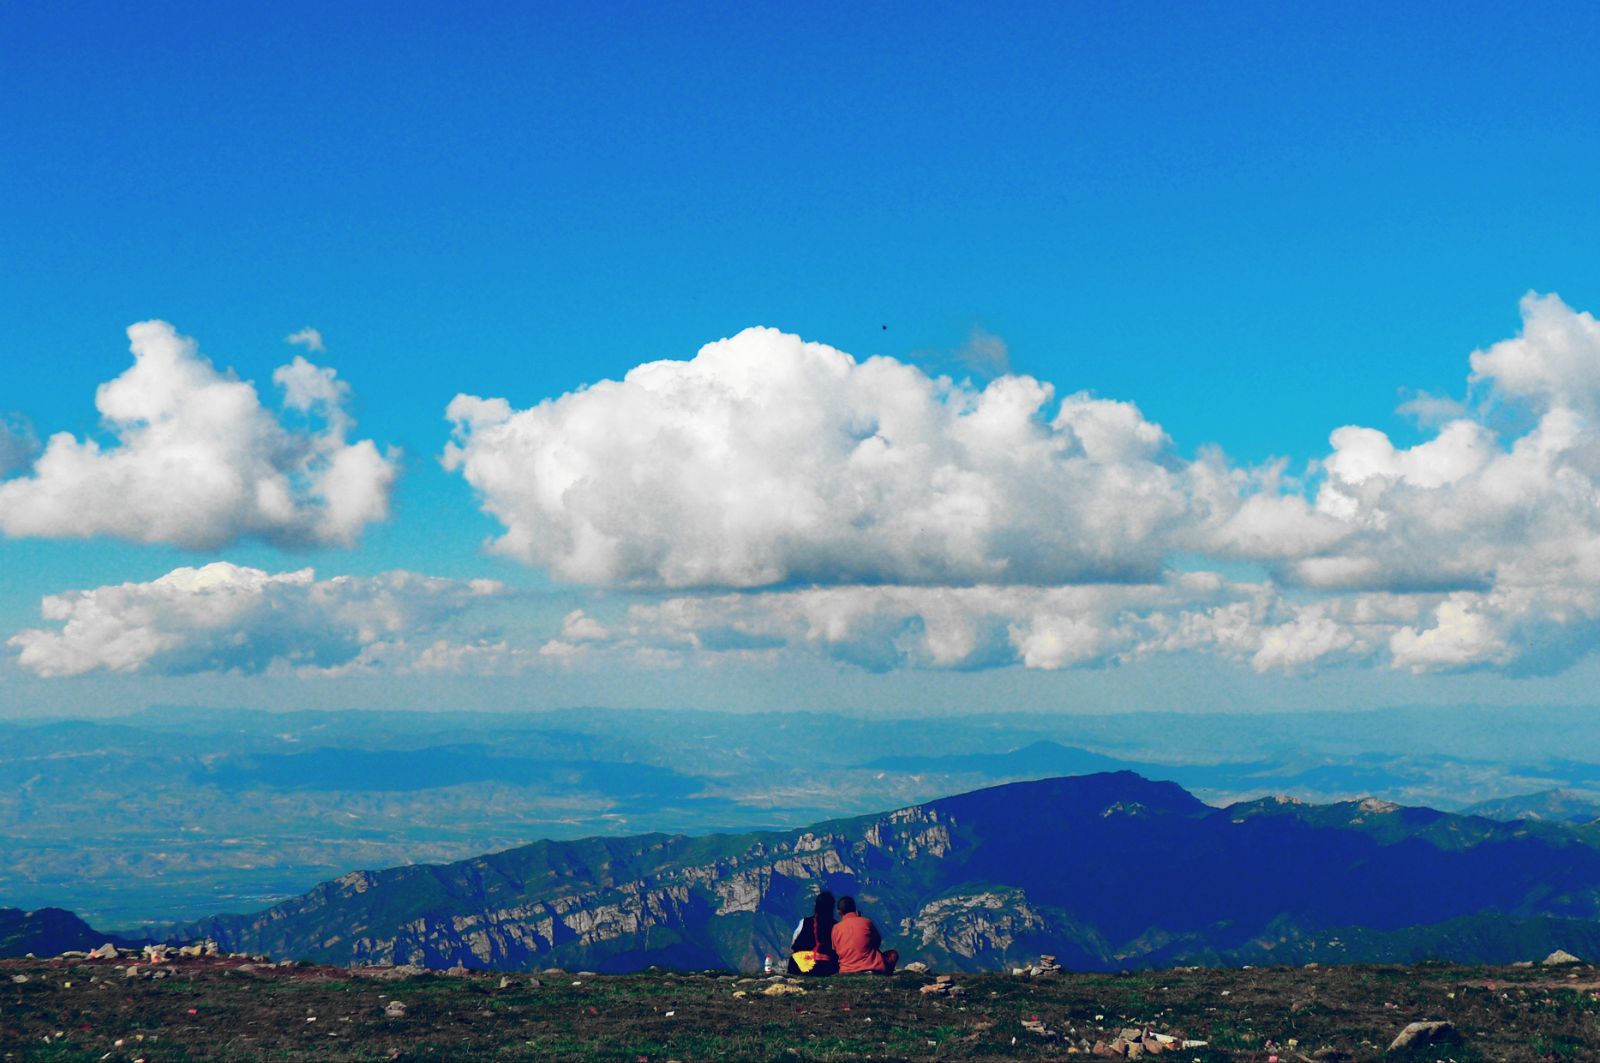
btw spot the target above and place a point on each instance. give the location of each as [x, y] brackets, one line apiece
[228, 618]
[1477, 507]
[199, 461]
[766, 460]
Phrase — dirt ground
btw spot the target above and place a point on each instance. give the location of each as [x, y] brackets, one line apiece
[219, 1008]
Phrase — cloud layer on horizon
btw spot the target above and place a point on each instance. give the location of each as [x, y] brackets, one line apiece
[883, 628]
[198, 460]
[233, 619]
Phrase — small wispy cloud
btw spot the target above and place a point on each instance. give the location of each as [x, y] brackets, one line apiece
[1431, 411]
[309, 338]
[985, 353]
[18, 445]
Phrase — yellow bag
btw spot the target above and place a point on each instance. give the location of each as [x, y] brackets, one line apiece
[809, 959]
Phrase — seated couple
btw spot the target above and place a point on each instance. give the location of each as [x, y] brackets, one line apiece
[848, 945]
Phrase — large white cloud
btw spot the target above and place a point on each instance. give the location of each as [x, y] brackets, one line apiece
[767, 460]
[897, 519]
[228, 618]
[199, 461]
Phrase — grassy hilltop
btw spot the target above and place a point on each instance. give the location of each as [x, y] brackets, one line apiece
[226, 1008]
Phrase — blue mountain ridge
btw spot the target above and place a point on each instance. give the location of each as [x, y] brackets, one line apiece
[1104, 871]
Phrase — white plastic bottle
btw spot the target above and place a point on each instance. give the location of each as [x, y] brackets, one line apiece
[766, 965]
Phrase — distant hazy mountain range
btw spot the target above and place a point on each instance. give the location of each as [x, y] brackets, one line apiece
[1104, 871]
[1554, 806]
[173, 814]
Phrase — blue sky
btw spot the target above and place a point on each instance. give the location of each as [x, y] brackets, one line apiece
[1259, 223]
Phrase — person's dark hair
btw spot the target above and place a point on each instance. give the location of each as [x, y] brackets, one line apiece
[847, 905]
[824, 918]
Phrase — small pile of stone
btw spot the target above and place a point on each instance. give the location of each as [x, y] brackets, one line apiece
[1047, 965]
[196, 949]
[1134, 1042]
[943, 986]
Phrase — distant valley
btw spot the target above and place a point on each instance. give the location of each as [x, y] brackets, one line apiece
[176, 814]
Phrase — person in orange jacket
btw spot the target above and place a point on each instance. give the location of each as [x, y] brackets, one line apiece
[856, 941]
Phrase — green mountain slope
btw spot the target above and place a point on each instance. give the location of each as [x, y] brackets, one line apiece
[1103, 870]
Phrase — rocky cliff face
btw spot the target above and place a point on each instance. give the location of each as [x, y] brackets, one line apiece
[973, 924]
[1105, 870]
[592, 912]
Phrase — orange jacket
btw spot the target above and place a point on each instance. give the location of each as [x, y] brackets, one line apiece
[855, 943]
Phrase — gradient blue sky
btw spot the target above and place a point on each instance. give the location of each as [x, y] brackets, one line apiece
[1259, 222]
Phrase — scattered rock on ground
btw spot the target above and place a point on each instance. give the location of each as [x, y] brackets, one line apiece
[1037, 1027]
[779, 989]
[404, 970]
[944, 987]
[1135, 1042]
[1426, 1034]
